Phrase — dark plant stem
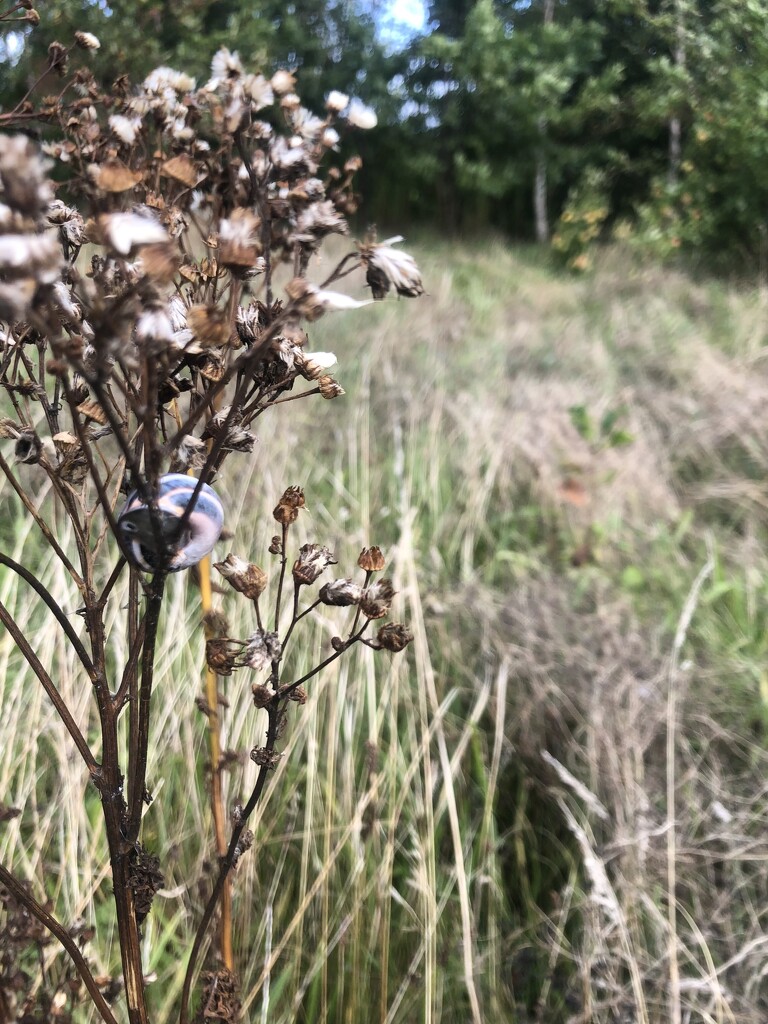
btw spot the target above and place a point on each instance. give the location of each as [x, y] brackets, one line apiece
[226, 862]
[109, 781]
[56, 929]
[43, 526]
[284, 691]
[139, 742]
[283, 563]
[48, 685]
[61, 618]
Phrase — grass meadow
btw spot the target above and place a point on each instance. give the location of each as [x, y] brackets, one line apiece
[553, 807]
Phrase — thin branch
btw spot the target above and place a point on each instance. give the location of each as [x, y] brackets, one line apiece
[244, 363]
[129, 672]
[56, 609]
[93, 471]
[48, 685]
[225, 864]
[55, 927]
[283, 564]
[44, 528]
[113, 578]
[286, 690]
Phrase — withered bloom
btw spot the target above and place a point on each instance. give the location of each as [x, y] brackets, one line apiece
[265, 758]
[312, 302]
[261, 649]
[126, 231]
[387, 267]
[312, 365]
[220, 998]
[87, 41]
[287, 510]
[329, 387]
[377, 598]
[227, 429]
[245, 577]
[221, 655]
[28, 447]
[262, 695]
[243, 845]
[313, 560]
[191, 453]
[371, 559]
[394, 636]
[341, 593]
[238, 242]
[145, 878]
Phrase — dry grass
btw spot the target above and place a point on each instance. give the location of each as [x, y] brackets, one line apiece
[484, 830]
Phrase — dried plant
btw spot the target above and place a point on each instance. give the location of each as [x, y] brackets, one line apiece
[142, 334]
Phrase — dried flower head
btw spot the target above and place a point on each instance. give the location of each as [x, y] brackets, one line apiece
[221, 996]
[336, 101]
[24, 185]
[262, 695]
[394, 636]
[245, 577]
[287, 509]
[145, 878]
[283, 82]
[371, 559]
[312, 365]
[387, 267]
[225, 428]
[377, 599]
[87, 41]
[329, 387]
[313, 560]
[261, 649]
[28, 447]
[360, 116]
[341, 593]
[311, 302]
[221, 654]
[126, 231]
[190, 453]
[239, 245]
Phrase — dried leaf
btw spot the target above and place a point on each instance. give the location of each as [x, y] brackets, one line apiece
[65, 442]
[115, 176]
[209, 325]
[182, 168]
[93, 411]
[574, 492]
[189, 272]
[213, 366]
[159, 261]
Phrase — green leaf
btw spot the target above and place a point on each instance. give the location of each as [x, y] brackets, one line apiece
[582, 421]
[633, 578]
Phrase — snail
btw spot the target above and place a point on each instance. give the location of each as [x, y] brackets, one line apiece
[141, 539]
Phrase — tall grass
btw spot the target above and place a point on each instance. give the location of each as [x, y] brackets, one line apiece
[417, 858]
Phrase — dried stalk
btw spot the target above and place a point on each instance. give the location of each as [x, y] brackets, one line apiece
[114, 374]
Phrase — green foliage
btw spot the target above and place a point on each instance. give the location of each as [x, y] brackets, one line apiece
[586, 210]
[329, 42]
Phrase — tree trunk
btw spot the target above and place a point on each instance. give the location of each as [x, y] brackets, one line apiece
[540, 208]
[675, 125]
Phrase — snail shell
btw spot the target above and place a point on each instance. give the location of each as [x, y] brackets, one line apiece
[151, 547]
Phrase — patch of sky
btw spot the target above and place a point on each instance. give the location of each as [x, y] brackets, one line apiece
[399, 21]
